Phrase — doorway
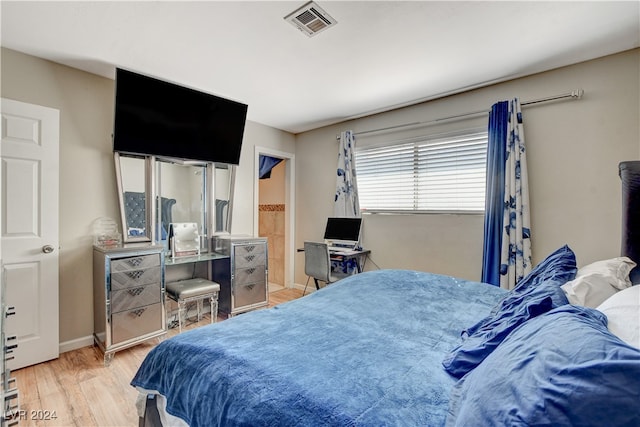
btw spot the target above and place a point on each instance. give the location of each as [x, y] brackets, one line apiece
[274, 214]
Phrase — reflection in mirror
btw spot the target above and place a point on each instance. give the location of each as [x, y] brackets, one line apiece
[131, 176]
[182, 191]
[224, 176]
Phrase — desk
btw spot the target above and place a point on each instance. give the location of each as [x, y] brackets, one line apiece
[360, 257]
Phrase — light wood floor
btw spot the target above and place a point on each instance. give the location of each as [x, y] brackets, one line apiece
[83, 392]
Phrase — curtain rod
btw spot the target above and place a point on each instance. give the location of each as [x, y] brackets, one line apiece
[575, 94]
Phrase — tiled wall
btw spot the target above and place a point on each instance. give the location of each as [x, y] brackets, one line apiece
[271, 226]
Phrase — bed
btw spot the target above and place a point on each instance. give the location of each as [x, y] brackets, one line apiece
[408, 348]
[397, 347]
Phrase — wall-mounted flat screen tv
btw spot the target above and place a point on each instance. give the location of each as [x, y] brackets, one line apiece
[155, 117]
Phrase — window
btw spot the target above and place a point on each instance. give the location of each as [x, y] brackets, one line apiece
[427, 174]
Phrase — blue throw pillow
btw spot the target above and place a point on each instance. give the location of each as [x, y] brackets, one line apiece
[537, 293]
[558, 267]
[563, 368]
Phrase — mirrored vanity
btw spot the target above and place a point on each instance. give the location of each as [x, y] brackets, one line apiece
[170, 208]
[154, 193]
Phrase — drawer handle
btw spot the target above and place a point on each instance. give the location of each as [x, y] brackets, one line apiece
[135, 291]
[10, 343]
[10, 395]
[251, 270]
[251, 286]
[250, 257]
[134, 262]
[249, 248]
[138, 312]
[135, 274]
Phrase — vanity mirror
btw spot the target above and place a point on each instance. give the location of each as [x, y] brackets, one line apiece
[183, 191]
[182, 187]
[194, 192]
[133, 180]
[224, 179]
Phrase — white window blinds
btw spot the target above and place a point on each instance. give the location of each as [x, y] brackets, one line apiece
[444, 174]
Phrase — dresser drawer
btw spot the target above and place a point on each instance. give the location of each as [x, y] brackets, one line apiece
[136, 323]
[250, 275]
[133, 278]
[127, 299]
[135, 263]
[250, 260]
[249, 294]
[249, 249]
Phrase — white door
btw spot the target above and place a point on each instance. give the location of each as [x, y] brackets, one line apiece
[29, 217]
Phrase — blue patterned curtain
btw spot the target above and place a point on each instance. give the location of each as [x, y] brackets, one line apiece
[494, 196]
[507, 220]
[346, 198]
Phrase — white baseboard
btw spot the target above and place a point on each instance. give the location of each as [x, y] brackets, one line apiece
[311, 287]
[76, 344]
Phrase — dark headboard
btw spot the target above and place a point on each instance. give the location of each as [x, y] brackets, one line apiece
[630, 176]
[134, 210]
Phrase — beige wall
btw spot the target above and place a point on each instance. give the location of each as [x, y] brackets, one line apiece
[87, 174]
[573, 150]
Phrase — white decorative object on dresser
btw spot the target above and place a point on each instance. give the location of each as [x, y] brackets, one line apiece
[128, 296]
[243, 277]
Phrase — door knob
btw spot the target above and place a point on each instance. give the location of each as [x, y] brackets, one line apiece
[47, 249]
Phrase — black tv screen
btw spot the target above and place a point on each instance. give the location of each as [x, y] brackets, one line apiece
[155, 117]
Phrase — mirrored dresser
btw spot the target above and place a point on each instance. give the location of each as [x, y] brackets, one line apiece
[243, 277]
[128, 296]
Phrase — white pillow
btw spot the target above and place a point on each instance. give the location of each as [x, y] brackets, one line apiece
[623, 312]
[596, 282]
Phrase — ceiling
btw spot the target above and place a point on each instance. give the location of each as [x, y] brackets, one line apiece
[379, 55]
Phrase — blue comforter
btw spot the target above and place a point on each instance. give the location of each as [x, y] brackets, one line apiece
[367, 350]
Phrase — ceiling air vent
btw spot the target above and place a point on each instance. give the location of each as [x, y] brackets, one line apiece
[310, 19]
